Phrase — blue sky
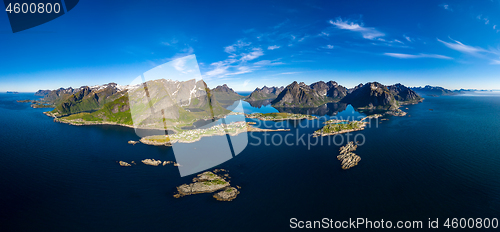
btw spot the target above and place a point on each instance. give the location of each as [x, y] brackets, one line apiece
[248, 44]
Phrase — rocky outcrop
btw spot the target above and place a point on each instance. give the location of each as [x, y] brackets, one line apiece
[209, 182]
[206, 182]
[151, 162]
[124, 164]
[347, 158]
[227, 194]
[396, 112]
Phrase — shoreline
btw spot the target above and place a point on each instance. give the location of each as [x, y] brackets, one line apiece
[147, 140]
[266, 117]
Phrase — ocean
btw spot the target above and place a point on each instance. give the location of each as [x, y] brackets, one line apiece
[441, 161]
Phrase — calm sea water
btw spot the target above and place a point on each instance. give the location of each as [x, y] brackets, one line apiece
[440, 163]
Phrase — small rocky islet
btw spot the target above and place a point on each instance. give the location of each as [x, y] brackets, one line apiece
[150, 162]
[347, 156]
[209, 182]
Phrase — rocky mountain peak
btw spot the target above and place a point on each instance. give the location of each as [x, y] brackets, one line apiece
[223, 89]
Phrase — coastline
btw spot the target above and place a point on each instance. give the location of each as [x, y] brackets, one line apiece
[149, 140]
[279, 116]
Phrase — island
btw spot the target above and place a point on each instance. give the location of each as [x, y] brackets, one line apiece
[191, 136]
[36, 103]
[208, 182]
[279, 116]
[335, 126]
[340, 128]
[124, 164]
[151, 162]
[347, 157]
[227, 195]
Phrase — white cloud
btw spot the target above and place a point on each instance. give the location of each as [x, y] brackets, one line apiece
[462, 47]
[238, 62]
[408, 38]
[367, 32]
[172, 42]
[273, 47]
[256, 53]
[234, 47]
[494, 27]
[245, 83]
[267, 63]
[179, 64]
[281, 24]
[446, 7]
[324, 34]
[217, 71]
[413, 56]
[241, 70]
[474, 51]
[329, 46]
[289, 73]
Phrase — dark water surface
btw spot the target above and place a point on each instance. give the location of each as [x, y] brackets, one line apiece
[441, 163]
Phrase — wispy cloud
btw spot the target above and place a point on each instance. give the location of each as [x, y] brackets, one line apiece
[267, 63]
[179, 65]
[324, 34]
[415, 56]
[171, 42]
[497, 62]
[256, 53]
[232, 48]
[281, 24]
[245, 83]
[408, 38]
[289, 73]
[367, 32]
[273, 47]
[329, 46]
[458, 46]
[490, 54]
[446, 7]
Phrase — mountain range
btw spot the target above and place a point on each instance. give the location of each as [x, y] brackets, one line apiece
[371, 95]
[265, 93]
[161, 103]
[154, 104]
[433, 90]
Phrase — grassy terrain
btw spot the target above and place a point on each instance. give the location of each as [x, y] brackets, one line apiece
[337, 127]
